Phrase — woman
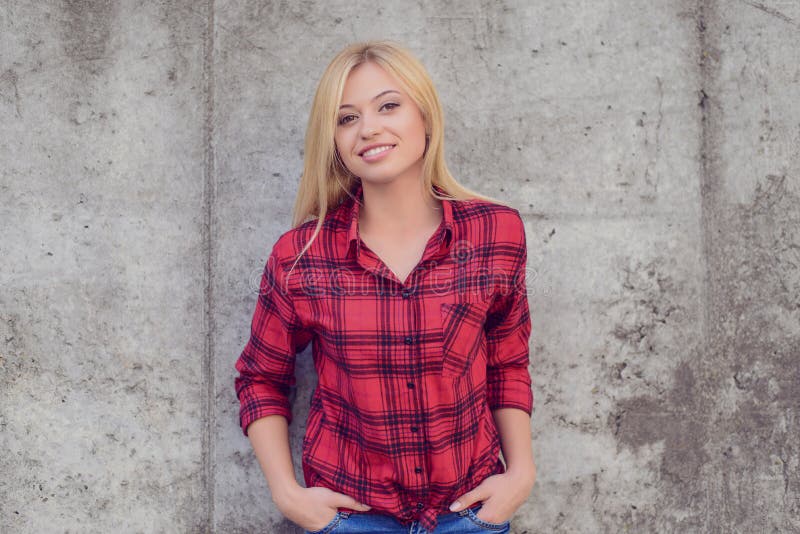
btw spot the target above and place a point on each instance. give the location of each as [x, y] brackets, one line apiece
[412, 289]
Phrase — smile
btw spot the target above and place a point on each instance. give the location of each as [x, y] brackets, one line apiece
[376, 153]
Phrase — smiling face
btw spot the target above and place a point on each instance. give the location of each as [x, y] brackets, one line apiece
[377, 112]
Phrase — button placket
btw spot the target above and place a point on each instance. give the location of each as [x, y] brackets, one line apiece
[409, 340]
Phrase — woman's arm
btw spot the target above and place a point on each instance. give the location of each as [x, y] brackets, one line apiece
[505, 492]
[310, 508]
[514, 427]
[509, 393]
[269, 437]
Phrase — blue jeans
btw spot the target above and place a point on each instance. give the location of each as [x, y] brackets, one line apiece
[463, 522]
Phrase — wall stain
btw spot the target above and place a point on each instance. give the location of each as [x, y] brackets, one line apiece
[729, 419]
[647, 303]
[644, 420]
[9, 90]
[85, 32]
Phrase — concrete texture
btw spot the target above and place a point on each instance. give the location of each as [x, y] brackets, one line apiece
[150, 157]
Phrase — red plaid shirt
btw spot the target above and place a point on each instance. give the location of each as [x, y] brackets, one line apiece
[408, 371]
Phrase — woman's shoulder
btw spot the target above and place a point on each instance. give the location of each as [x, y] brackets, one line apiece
[490, 215]
[292, 241]
[485, 206]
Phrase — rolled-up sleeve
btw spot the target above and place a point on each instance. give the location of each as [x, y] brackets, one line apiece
[266, 365]
[508, 327]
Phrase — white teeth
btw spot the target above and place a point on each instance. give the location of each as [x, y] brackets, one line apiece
[377, 150]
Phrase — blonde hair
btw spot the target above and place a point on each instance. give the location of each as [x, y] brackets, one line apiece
[326, 181]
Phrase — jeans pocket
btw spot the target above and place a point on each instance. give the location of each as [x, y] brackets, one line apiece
[332, 524]
[486, 525]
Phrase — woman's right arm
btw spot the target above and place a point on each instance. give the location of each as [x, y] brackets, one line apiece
[269, 437]
[266, 372]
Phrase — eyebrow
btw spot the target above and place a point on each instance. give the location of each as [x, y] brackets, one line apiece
[376, 97]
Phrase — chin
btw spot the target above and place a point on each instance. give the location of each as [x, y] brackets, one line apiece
[377, 180]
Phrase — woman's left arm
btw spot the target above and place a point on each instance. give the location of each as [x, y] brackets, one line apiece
[514, 426]
[504, 493]
[508, 382]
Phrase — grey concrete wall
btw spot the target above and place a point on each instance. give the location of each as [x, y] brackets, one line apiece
[150, 156]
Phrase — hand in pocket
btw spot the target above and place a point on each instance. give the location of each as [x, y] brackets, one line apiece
[313, 508]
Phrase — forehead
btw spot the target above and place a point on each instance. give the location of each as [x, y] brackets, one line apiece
[367, 80]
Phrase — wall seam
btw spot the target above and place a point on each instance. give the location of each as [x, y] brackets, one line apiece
[209, 198]
[709, 169]
[709, 188]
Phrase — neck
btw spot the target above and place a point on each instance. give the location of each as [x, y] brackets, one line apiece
[400, 208]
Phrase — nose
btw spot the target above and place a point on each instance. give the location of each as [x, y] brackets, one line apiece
[369, 125]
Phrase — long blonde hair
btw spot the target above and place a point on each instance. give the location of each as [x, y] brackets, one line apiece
[326, 181]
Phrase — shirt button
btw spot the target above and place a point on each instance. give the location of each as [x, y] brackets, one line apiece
[409, 340]
[418, 470]
[406, 294]
[410, 385]
[420, 506]
[414, 428]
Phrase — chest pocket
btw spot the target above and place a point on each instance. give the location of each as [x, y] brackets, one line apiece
[462, 335]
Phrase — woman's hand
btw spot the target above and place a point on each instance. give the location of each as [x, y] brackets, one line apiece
[501, 494]
[313, 508]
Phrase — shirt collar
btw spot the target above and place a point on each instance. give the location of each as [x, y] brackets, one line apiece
[353, 203]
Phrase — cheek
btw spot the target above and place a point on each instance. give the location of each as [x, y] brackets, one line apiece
[344, 146]
[414, 131]
[419, 125]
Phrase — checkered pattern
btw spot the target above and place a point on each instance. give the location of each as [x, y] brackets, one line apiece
[408, 371]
